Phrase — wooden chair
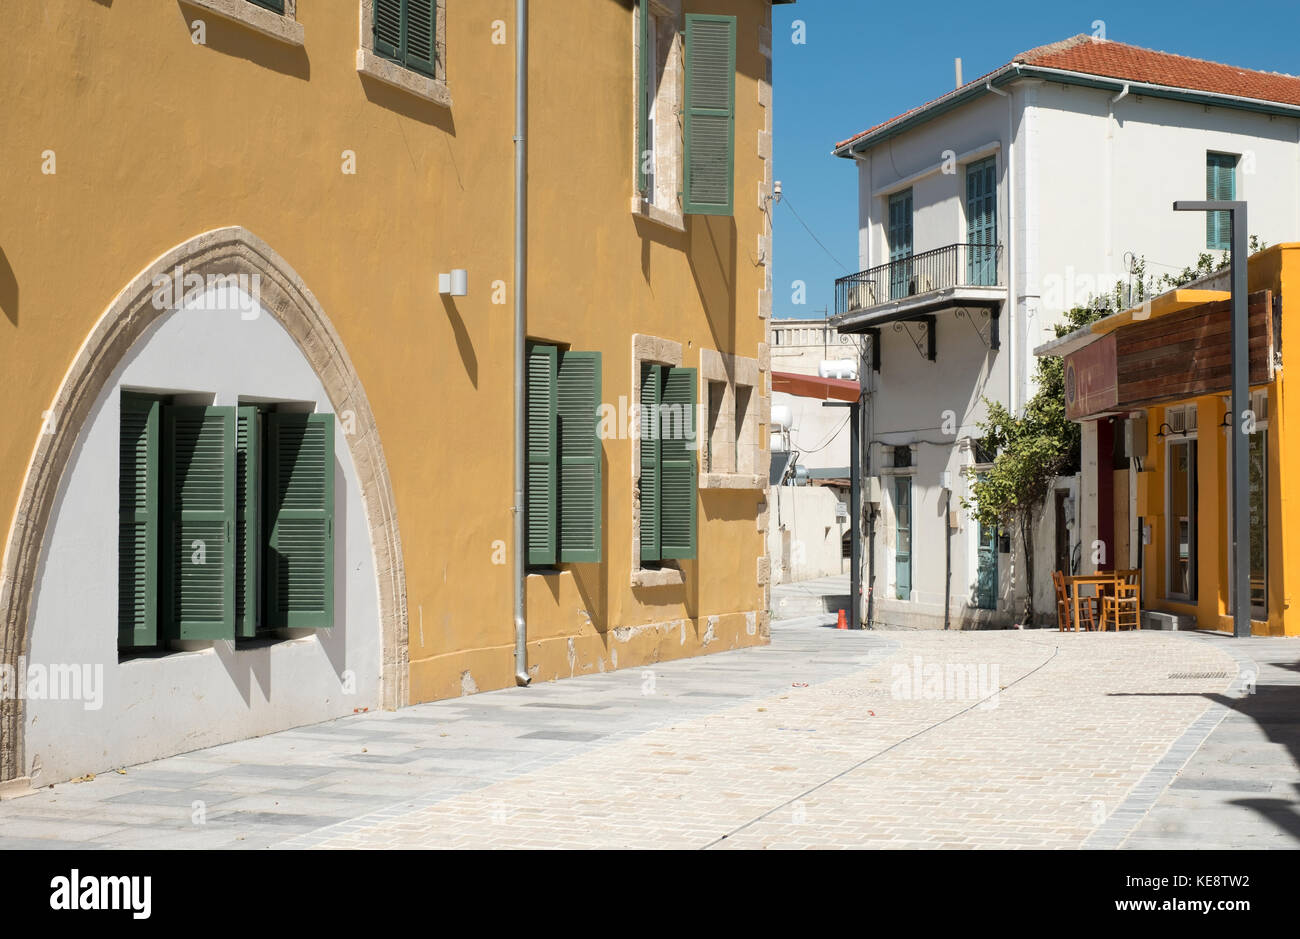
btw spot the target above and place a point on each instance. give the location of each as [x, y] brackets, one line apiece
[1065, 607]
[1122, 608]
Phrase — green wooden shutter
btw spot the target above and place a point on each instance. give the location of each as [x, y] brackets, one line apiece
[541, 453]
[138, 522]
[421, 22]
[578, 419]
[388, 28]
[677, 466]
[248, 543]
[710, 114]
[643, 67]
[198, 549]
[1220, 183]
[299, 562]
[651, 384]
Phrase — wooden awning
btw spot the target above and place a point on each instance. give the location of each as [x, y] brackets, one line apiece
[811, 386]
[1180, 355]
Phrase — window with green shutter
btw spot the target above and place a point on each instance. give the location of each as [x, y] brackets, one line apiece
[677, 466]
[138, 521]
[1220, 183]
[275, 6]
[563, 491]
[578, 430]
[299, 562]
[198, 550]
[651, 385]
[644, 85]
[540, 453]
[226, 521]
[406, 31]
[710, 113]
[248, 461]
[669, 474]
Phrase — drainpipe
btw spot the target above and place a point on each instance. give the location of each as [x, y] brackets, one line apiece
[521, 293]
[1011, 244]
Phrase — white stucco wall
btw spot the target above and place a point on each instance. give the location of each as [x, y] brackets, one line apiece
[804, 537]
[214, 692]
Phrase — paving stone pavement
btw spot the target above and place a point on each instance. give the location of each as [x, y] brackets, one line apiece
[826, 738]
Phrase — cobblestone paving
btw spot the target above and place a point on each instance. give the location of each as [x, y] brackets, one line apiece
[863, 760]
[826, 738]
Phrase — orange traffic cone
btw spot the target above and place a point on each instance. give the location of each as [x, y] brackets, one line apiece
[842, 624]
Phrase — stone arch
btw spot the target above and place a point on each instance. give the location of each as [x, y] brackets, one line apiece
[223, 251]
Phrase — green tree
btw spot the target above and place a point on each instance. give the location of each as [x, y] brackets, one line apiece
[1031, 451]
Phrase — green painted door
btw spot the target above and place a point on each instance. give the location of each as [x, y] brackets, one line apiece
[903, 537]
[900, 244]
[982, 223]
[986, 583]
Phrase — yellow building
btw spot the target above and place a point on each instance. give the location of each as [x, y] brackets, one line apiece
[1151, 387]
[260, 455]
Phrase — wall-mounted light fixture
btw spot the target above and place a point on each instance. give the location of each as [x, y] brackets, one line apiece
[455, 284]
[1161, 431]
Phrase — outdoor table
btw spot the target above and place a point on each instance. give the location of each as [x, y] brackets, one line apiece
[1098, 580]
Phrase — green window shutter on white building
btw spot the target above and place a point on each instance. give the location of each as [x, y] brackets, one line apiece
[1220, 183]
[248, 540]
[299, 573]
[710, 114]
[578, 429]
[199, 505]
[677, 464]
[138, 521]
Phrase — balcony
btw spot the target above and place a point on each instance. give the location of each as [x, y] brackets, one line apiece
[958, 275]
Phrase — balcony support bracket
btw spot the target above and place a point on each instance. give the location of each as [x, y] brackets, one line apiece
[990, 341]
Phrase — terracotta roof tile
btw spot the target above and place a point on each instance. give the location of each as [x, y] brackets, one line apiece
[1121, 61]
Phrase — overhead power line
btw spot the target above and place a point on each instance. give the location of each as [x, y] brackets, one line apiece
[785, 201]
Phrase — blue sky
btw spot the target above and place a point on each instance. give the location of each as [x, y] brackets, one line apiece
[864, 62]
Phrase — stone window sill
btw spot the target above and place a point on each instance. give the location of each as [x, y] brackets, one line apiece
[652, 213]
[392, 73]
[664, 577]
[732, 481]
[280, 26]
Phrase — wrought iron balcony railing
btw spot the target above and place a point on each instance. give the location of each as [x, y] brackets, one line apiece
[959, 265]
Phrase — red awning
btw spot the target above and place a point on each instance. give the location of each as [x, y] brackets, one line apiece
[810, 386]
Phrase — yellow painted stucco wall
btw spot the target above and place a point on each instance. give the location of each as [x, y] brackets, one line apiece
[1276, 269]
[157, 139]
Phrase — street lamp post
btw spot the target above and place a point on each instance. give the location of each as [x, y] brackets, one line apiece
[1240, 333]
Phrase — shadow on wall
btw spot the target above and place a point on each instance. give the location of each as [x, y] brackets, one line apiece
[8, 289]
[713, 247]
[221, 35]
[652, 233]
[464, 344]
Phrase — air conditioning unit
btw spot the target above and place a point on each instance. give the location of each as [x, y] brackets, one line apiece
[838, 368]
[862, 296]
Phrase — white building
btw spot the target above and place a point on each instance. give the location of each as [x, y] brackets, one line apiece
[809, 524]
[985, 214]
